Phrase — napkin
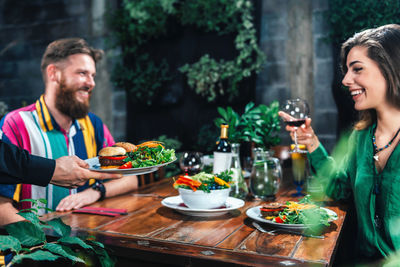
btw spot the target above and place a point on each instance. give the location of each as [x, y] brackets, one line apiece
[101, 211]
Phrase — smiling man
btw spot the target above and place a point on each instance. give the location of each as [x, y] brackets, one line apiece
[58, 124]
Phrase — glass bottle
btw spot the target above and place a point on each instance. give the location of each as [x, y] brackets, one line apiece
[266, 175]
[238, 187]
[222, 153]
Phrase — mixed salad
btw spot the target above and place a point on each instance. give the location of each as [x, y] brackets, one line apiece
[146, 156]
[204, 181]
[303, 212]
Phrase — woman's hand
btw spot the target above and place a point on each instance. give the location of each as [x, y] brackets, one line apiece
[305, 133]
[78, 200]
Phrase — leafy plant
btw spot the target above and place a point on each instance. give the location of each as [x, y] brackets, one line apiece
[27, 240]
[137, 22]
[349, 17]
[259, 124]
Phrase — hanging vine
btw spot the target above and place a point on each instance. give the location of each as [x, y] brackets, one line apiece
[137, 23]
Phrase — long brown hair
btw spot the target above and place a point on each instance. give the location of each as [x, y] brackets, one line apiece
[383, 47]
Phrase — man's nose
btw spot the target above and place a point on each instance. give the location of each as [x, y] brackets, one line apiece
[90, 81]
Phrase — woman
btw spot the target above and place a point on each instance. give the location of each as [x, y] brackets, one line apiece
[370, 171]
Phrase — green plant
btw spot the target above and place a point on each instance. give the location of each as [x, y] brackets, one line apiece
[349, 17]
[27, 240]
[259, 124]
[139, 22]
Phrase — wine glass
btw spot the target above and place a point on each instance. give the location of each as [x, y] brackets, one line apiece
[191, 162]
[297, 111]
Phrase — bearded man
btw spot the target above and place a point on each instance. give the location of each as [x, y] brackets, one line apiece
[58, 124]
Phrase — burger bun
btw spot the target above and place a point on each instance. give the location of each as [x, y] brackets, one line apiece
[126, 145]
[111, 151]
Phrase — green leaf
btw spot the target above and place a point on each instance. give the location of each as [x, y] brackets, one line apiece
[38, 255]
[60, 227]
[27, 233]
[74, 241]
[32, 217]
[9, 242]
[29, 210]
[104, 258]
[63, 251]
[28, 200]
[42, 200]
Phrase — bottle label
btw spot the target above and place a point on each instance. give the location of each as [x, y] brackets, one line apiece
[222, 162]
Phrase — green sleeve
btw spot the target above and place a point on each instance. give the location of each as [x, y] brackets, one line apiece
[334, 172]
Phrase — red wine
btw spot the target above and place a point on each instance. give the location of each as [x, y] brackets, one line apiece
[222, 152]
[296, 123]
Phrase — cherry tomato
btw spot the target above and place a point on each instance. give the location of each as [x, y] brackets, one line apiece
[127, 165]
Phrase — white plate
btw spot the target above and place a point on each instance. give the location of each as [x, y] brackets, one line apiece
[94, 165]
[176, 203]
[255, 214]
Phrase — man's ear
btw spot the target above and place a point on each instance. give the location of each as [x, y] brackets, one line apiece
[53, 73]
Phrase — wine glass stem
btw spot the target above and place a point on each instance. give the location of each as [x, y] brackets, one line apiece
[295, 140]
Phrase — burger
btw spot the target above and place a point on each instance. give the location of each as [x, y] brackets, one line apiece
[272, 209]
[127, 146]
[112, 157]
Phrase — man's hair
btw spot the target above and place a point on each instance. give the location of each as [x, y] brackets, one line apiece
[382, 44]
[61, 49]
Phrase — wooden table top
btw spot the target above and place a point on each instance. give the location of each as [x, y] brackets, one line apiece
[154, 233]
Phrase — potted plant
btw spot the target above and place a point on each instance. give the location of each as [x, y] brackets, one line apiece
[258, 124]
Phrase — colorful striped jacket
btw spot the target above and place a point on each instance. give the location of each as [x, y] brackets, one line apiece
[33, 128]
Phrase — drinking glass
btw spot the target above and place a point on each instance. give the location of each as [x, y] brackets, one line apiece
[300, 171]
[191, 162]
[297, 111]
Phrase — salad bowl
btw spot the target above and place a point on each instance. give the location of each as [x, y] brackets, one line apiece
[204, 200]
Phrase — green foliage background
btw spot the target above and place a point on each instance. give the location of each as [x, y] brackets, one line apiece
[349, 17]
[137, 23]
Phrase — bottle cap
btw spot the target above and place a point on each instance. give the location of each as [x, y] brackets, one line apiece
[224, 125]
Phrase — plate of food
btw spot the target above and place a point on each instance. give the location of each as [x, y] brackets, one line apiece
[177, 204]
[203, 194]
[128, 159]
[292, 215]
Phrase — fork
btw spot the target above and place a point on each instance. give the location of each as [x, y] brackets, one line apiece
[261, 229]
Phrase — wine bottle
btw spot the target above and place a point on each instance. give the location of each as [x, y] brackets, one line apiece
[222, 153]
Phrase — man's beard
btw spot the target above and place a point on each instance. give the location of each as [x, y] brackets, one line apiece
[67, 104]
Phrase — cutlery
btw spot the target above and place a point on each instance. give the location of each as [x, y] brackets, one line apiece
[103, 211]
[146, 195]
[261, 229]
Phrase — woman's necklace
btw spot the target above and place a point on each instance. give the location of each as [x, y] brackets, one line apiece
[377, 150]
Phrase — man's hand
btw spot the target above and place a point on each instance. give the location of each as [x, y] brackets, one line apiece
[72, 172]
[78, 200]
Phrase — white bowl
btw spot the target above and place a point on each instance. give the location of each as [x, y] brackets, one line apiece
[202, 200]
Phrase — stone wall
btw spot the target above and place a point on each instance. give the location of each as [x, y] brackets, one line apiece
[27, 27]
[299, 61]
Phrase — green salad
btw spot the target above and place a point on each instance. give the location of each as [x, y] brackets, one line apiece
[150, 156]
[303, 212]
[204, 181]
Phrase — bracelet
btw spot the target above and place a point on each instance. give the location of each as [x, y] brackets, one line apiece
[98, 186]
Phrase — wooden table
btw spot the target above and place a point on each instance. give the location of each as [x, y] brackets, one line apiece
[152, 233]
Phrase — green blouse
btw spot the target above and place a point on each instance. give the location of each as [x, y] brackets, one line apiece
[376, 195]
